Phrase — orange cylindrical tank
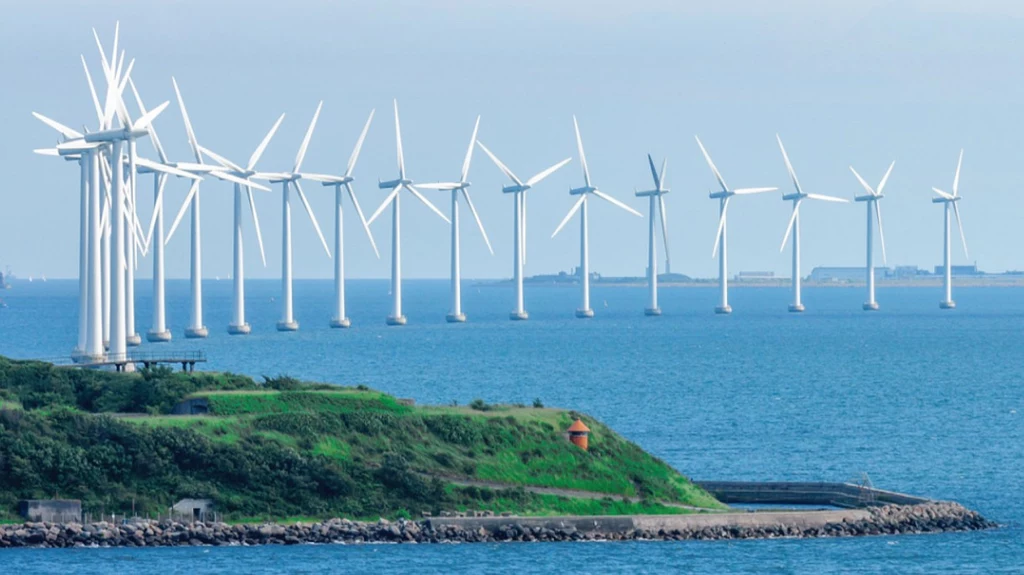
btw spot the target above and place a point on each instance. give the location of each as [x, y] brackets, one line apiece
[579, 434]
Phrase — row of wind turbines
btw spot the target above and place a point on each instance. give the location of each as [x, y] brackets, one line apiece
[112, 236]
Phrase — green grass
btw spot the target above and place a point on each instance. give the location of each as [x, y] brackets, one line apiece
[521, 446]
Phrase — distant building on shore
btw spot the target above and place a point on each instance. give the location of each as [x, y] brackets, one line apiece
[51, 510]
[971, 270]
[826, 274]
[754, 276]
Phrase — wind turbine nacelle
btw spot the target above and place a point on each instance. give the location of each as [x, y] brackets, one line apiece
[389, 184]
[338, 182]
[647, 193]
[793, 196]
[581, 191]
[514, 188]
[867, 198]
[941, 200]
[720, 195]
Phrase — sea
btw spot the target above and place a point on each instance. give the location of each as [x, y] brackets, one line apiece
[911, 398]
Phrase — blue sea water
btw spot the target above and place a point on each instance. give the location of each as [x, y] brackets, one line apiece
[924, 401]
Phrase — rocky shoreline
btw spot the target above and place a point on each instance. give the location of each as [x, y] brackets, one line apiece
[932, 517]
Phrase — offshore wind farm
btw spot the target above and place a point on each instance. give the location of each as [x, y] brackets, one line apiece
[114, 232]
[309, 202]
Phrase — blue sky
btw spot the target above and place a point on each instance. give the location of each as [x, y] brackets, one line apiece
[860, 83]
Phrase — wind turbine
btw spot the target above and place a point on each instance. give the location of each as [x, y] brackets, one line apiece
[871, 199]
[340, 319]
[656, 207]
[455, 315]
[723, 198]
[196, 329]
[287, 180]
[518, 190]
[238, 325]
[581, 205]
[948, 200]
[393, 198]
[794, 225]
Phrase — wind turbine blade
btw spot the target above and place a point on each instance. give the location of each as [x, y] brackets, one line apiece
[158, 167]
[387, 201]
[235, 179]
[945, 195]
[789, 227]
[64, 130]
[664, 224]
[718, 176]
[579, 148]
[522, 224]
[664, 170]
[398, 140]
[881, 234]
[188, 124]
[885, 178]
[423, 199]
[147, 119]
[256, 224]
[956, 178]
[439, 186]
[476, 216]
[181, 212]
[654, 172]
[312, 218]
[152, 130]
[749, 191]
[114, 101]
[92, 92]
[158, 207]
[828, 198]
[862, 182]
[355, 151]
[721, 226]
[615, 202]
[46, 151]
[469, 153]
[789, 167]
[537, 178]
[117, 34]
[362, 218]
[960, 224]
[305, 140]
[572, 211]
[103, 56]
[255, 157]
[498, 163]
[220, 159]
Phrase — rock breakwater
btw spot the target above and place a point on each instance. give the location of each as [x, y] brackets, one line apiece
[930, 517]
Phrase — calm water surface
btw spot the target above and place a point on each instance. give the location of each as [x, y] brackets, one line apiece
[921, 400]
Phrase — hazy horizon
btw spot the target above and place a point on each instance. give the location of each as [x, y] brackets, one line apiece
[844, 84]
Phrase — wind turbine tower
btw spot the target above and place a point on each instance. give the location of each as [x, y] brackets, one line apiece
[871, 199]
[518, 190]
[656, 208]
[797, 198]
[723, 198]
[947, 200]
[588, 189]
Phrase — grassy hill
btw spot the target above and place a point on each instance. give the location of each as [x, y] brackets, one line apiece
[282, 448]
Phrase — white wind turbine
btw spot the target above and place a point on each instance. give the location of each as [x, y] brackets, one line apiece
[656, 208]
[393, 199]
[947, 200]
[723, 198]
[581, 205]
[455, 315]
[871, 199]
[518, 190]
[196, 329]
[117, 137]
[794, 225]
[287, 181]
[238, 325]
[340, 319]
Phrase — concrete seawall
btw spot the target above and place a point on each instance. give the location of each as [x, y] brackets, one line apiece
[847, 495]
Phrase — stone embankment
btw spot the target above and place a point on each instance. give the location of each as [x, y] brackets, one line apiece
[924, 518]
